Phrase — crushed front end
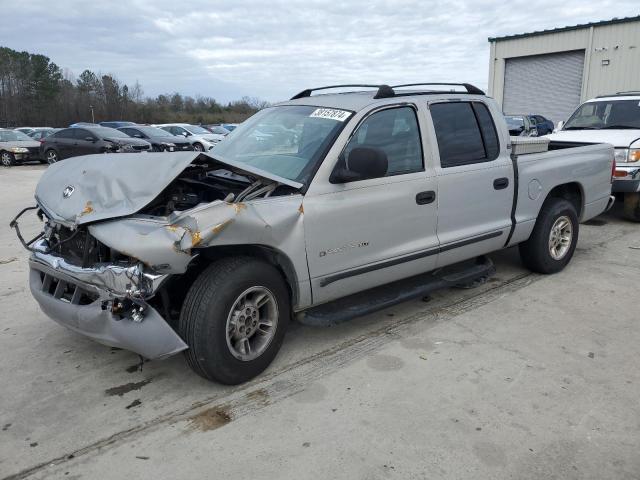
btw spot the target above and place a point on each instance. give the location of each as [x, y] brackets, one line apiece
[98, 292]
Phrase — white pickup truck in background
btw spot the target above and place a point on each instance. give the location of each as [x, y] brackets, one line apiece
[613, 119]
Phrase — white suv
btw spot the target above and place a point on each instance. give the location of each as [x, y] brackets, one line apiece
[613, 119]
[201, 139]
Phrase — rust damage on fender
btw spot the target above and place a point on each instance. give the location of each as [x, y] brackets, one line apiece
[88, 208]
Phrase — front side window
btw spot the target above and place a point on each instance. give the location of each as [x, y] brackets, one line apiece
[395, 131]
[288, 140]
[465, 132]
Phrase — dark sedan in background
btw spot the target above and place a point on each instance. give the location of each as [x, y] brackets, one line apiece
[16, 147]
[160, 140]
[528, 125]
[71, 142]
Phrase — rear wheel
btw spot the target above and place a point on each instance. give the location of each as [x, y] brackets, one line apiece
[632, 206]
[554, 238]
[51, 156]
[7, 159]
[234, 319]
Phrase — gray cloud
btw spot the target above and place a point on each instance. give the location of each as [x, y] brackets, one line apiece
[273, 49]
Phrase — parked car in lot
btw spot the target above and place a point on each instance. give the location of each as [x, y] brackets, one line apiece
[117, 124]
[543, 125]
[521, 125]
[214, 253]
[613, 119]
[16, 147]
[201, 138]
[71, 142]
[160, 140]
[42, 132]
[229, 126]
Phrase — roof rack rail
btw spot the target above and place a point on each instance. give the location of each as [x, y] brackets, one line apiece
[630, 92]
[383, 90]
[471, 89]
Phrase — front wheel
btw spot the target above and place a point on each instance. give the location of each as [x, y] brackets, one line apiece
[554, 237]
[7, 159]
[198, 147]
[51, 156]
[234, 319]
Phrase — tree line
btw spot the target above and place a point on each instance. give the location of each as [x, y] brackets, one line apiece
[34, 91]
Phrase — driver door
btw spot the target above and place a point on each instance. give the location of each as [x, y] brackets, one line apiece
[364, 233]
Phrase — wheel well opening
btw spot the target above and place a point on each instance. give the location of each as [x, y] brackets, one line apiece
[572, 192]
[171, 296]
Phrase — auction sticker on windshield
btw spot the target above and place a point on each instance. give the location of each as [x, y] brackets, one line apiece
[331, 114]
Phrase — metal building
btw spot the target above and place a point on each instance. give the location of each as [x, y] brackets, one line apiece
[550, 72]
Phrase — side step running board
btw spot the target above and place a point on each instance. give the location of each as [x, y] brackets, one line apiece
[466, 274]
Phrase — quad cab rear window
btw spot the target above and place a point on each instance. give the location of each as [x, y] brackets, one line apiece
[465, 132]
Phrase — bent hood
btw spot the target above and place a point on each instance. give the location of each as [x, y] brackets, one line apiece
[617, 138]
[90, 188]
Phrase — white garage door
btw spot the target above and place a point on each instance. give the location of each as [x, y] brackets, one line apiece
[548, 84]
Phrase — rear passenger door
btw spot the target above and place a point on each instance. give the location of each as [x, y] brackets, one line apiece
[81, 144]
[475, 180]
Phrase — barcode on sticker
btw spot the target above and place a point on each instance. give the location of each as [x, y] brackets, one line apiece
[330, 114]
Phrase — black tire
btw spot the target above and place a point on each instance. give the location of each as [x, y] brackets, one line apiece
[156, 148]
[536, 251]
[51, 156]
[632, 206]
[7, 159]
[197, 147]
[209, 303]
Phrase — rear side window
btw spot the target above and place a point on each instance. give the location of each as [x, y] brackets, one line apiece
[66, 133]
[81, 134]
[465, 132]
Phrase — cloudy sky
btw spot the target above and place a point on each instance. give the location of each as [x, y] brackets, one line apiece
[272, 49]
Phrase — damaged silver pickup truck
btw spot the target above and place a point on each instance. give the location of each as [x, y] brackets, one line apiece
[214, 253]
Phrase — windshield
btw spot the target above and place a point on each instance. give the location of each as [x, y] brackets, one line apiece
[155, 132]
[14, 136]
[515, 123]
[621, 114]
[287, 141]
[197, 130]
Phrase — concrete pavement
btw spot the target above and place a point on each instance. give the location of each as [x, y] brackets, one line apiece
[527, 376]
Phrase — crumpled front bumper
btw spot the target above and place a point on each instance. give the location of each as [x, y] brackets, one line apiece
[81, 299]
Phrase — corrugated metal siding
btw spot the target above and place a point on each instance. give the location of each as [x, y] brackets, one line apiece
[549, 85]
[622, 73]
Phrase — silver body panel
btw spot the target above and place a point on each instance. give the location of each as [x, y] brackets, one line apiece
[333, 239]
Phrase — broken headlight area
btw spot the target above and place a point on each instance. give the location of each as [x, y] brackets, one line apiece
[78, 247]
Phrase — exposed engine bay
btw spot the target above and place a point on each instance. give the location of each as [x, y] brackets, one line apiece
[204, 183]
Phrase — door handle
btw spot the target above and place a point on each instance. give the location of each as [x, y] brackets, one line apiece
[423, 198]
[500, 183]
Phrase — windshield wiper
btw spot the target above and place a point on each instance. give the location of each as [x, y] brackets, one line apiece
[620, 127]
[581, 128]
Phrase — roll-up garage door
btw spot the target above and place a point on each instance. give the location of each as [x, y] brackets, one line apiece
[548, 84]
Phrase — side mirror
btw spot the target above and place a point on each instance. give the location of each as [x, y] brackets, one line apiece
[90, 139]
[137, 135]
[186, 134]
[363, 163]
[560, 124]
